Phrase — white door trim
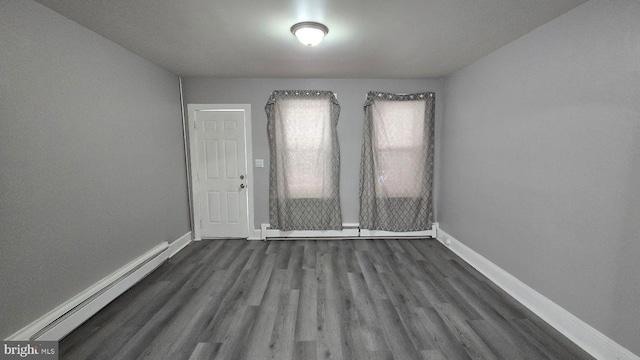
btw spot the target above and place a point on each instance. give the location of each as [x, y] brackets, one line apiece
[195, 184]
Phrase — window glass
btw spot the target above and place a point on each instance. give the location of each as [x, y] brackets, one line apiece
[306, 136]
[398, 136]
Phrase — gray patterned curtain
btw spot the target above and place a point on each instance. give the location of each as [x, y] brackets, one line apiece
[396, 168]
[304, 169]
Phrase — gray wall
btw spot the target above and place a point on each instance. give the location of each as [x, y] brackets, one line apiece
[351, 95]
[540, 153]
[91, 157]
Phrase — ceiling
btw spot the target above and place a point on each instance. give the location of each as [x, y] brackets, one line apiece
[367, 38]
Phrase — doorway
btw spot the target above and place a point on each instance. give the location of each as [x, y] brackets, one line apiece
[221, 175]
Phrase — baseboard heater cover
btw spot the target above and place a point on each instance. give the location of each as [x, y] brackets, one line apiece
[162, 256]
[349, 230]
[63, 319]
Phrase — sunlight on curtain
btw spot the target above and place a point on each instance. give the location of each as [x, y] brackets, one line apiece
[305, 160]
[304, 132]
[396, 173]
[398, 129]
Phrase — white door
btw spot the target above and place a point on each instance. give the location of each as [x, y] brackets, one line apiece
[219, 159]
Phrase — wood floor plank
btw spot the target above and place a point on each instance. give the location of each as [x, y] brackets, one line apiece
[395, 246]
[451, 295]
[399, 287]
[134, 347]
[171, 333]
[430, 294]
[374, 284]
[351, 339]
[382, 256]
[328, 343]
[372, 333]
[309, 257]
[204, 351]
[234, 344]
[258, 254]
[347, 257]
[224, 304]
[228, 254]
[444, 336]
[412, 250]
[260, 336]
[470, 341]
[172, 337]
[549, 346]
[407, 262]
[307, 318]
[406, 310]
[282, 342]
[232, 305]
[294, 267]
[104, 328]
[305, 350]
[362, 245]
[284, 254]
[260, 282]
[432, 355]
[382, 299]
[396, 334]
[273, 247]
[322, 246]
[110, 348]
[495, 340]
[198, 310]
[180, 334]
[499, 324]
[480, 290]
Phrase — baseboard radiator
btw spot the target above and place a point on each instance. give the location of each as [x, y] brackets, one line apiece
[117, 286]
[57, 323]
[349, 231]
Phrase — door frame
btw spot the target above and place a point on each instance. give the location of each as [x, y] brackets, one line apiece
[193, 162]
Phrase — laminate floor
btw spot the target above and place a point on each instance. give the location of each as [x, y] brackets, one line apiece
[316, 299]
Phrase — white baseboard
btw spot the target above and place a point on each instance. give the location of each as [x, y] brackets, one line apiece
[588, 338]
[179, 244]
[256, 235]
[350, 230]
[380, 233]
[59, 322]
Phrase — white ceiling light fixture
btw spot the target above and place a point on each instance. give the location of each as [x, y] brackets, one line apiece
[309, 33]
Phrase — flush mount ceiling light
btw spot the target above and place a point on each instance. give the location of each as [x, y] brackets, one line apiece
[309, 33]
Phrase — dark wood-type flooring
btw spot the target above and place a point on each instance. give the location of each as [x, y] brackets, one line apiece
[324, 299]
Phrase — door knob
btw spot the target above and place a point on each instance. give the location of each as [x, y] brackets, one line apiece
[241, 177]
[242, 186]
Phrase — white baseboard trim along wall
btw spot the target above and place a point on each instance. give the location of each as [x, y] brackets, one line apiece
[179, 244]
[349, 230]
[256, 235]
[591, 340]
[60, 321]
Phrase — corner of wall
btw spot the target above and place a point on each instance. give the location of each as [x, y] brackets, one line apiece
[588, 338]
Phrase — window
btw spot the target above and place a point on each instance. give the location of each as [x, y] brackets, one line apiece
[396, 170]
[306, 138]
[305, 160]
[398, 129]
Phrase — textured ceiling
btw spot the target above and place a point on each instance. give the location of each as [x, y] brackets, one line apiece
[367, 38]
